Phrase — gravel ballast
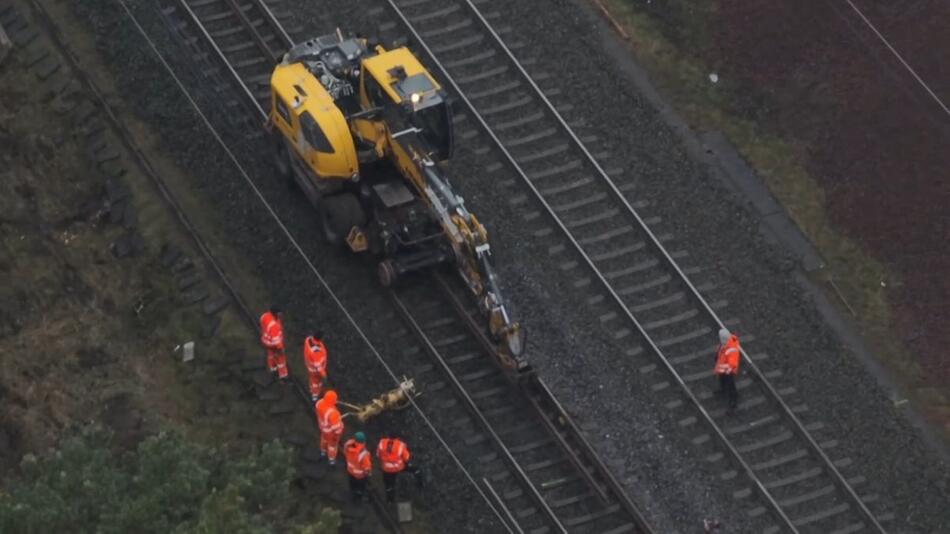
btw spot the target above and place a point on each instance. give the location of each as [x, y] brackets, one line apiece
[567, 343]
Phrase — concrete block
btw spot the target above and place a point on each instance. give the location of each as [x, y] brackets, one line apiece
[404, 511]
[188, 351]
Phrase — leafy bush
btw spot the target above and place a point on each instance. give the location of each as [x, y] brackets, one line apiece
[166, 485]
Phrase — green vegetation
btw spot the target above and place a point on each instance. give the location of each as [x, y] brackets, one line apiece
[165, 485]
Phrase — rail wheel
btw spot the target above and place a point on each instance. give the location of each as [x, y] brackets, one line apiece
[387, 273]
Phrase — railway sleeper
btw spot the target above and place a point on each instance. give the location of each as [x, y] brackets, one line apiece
[572, 500]
[459, 44]
[821, 515]
[807, 498]
[451, 340]
[591, 517]
[444, 29]
[506, 106]
[524, 140]
[618, 252]
[631, 269]
[794, 478]
[766, 443]
[479, 375]
[580, 203]
[751, 425]
[470, 59]
[531, 445]
[435, 13]
[481, 75]
[591, 219]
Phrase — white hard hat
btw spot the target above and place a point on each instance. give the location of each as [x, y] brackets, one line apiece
[724, 335]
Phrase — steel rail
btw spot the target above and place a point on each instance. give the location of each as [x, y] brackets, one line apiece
[142, 161]
[533, 377]
[537, 392]
[759, 375]
[256, 35]
[609, 483]
[476, 412]
[209, 41]
[799, 428]
[501, 504]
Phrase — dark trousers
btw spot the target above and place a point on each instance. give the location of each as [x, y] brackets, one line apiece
[357, 488]
[727, 385]
[389, 480]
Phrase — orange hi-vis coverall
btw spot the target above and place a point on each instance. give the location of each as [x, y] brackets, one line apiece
[393, 454]
[331, 425]
[359, 463]
[272, 337]
[727, 359]
[315, 357]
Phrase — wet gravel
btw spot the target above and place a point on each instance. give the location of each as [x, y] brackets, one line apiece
[567, 342]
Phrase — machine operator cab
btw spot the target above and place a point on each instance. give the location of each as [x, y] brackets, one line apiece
[334, 98]
[395, 84]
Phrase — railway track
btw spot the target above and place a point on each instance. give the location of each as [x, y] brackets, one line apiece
[252, 372]
[246, 38]
[635, 282]
[531, 454]
[536, 463]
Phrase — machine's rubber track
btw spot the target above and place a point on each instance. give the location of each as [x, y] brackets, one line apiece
[532, 456]
[641, 292]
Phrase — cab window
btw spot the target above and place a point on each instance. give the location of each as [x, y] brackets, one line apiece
[314, 134]
[374, 92]
[282, 109]
[434, 121]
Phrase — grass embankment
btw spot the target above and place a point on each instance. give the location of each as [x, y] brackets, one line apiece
[87, 340]
[670, 42]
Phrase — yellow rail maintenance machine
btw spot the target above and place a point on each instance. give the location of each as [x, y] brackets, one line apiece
[360, 129]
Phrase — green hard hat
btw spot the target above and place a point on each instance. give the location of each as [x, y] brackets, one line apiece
[360, 437]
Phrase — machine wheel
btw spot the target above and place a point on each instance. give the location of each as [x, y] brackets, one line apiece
[339, 214]
[387, 273]
[282, 162]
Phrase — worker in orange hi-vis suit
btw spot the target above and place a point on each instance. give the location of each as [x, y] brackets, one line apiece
[359, 465]
[394, 456]
[272, 337]
[727, 365]
[315, 358]
[331, 426]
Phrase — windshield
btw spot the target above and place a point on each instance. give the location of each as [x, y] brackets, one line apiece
[434, 123]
